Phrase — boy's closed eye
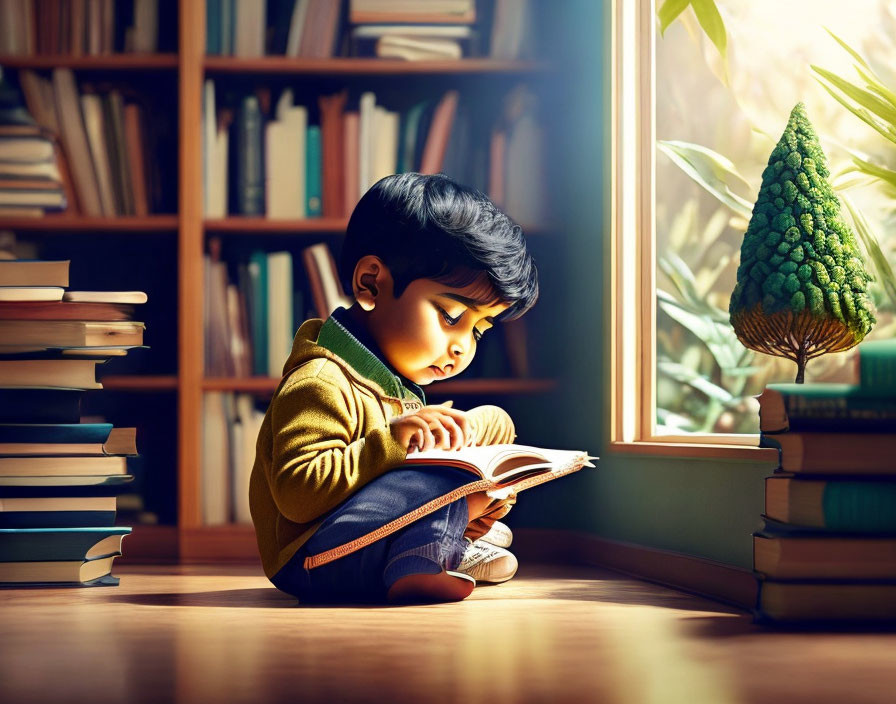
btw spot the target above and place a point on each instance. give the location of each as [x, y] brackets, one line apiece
[454, 320]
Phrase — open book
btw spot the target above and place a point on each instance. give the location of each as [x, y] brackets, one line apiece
[509, 468]
[499, 470]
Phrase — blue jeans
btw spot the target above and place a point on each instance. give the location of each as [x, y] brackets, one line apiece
[426, 546]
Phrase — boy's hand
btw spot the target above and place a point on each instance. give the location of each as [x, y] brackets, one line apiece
[433, 427]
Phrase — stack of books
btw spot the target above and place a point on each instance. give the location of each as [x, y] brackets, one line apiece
[827, 551]
[104, 157]
[58, 476]
[413, 31]
[30, 182]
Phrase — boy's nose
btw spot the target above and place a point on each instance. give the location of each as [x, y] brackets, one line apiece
[456, 350]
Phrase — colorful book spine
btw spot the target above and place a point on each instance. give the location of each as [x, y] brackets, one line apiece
[250, 158]
[258, 277]
[877, 367]
[313, 172]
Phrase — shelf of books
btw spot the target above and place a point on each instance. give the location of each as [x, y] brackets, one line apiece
[249, 136]
[827, 550]
[88, 161]
[111, 62]
[273, 65]
[63, 223]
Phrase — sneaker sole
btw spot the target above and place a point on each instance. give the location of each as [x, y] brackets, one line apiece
[431, 588]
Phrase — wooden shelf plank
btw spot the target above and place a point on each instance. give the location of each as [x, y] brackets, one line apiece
[366, 67]
[106, 62]
[459, 386]
[69, 223]
[255, 225]
[133, 382]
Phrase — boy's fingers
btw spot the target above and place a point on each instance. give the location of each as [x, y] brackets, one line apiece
[455, 432]
[440, 435]
[428, 439]
[461, 419]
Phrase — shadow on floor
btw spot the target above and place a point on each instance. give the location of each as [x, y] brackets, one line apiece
[261, 598]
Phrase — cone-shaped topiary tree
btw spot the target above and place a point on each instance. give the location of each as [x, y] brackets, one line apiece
[801, 281]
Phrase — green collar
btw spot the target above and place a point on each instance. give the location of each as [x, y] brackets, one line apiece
[337, 338]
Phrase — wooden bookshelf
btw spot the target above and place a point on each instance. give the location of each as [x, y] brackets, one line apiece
[77, 223]
[268, 65]
[106, 62]
[190, 540]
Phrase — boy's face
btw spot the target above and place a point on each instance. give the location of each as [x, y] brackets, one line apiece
[430, 332]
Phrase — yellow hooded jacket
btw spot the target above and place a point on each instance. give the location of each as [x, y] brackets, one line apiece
[326, 434]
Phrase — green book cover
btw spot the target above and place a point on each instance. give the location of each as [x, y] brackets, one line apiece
[258, 278]
[877, 367]
[407, 146]
[212, 27]
[45, 544]
[313, 168]
[830, 506]
[826, 407]
[55, 433]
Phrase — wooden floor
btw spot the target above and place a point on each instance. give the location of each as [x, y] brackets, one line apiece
[553, 634]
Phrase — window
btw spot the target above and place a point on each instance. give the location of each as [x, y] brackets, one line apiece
[692, 133]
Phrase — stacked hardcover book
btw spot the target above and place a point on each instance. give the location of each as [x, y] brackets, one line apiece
[827, 551]
[59, 477]
[30, 182]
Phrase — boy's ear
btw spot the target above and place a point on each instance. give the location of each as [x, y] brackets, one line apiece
[371, 274]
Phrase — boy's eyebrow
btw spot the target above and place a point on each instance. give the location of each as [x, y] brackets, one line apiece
[469, 302]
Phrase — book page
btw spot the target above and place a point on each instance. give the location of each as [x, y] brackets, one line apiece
[502, 463]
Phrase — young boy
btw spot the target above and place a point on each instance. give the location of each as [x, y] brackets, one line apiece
[432, 266]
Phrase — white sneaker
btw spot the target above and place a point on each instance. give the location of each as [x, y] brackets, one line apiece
[499, 534]
[485, 562]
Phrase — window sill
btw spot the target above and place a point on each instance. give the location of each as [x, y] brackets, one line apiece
[696, 451]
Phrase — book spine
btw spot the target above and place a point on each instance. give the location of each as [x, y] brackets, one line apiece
[56, 519]
[860, 506]
[250, 158]
[831, 506]
[877, 366]
[213, 27]
[313, 172]
[844, 413]
[258, 277]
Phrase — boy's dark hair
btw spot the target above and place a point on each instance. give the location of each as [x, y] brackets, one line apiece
[431, 227]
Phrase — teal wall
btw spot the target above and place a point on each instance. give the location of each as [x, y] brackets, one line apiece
[706, 508]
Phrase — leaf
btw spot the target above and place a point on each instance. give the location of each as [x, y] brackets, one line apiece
[678, 272]
[887, 131]
[718, 337]
[865, 71]
[852, 52]
[877, 87]
[881, 265]
[674, 421]
[881, 172]
[692, 378]
[709, 18]
[710, 170]
[669, 11]
[860, 95]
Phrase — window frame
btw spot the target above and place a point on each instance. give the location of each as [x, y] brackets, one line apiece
[633, 253]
